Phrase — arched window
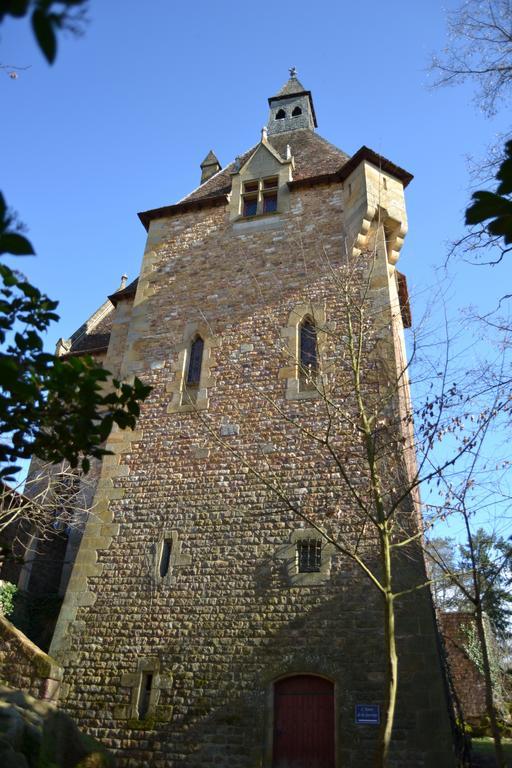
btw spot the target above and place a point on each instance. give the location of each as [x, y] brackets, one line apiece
[281, 114]
[308, 348]
[195, 363]
[296, 112]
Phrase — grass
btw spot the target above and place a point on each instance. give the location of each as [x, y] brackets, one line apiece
[484, 747]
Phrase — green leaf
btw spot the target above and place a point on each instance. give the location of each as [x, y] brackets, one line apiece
[15, 244]
[17, 8]
[502, 227]
[487, 205]
[505, 172]
[44, 34]
[505, 176]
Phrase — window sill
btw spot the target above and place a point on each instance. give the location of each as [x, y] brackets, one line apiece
[258, 216]
[201, 404]
[304, 394]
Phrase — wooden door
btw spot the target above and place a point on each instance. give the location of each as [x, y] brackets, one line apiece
[303, 723]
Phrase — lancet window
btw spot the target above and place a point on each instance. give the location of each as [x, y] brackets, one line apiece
[195, 363]
[308, 351]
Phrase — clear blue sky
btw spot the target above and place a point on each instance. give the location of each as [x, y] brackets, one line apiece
[123, 119]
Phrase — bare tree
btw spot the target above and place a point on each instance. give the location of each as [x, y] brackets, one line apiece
[52, 500]
[479, 50]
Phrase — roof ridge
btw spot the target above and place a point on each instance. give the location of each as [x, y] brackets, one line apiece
[92, 321]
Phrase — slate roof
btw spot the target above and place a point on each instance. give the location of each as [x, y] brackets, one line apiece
[94, 335]
[316, 160]
[291, 88]
[124, 293]
[96, 342]
[210, 159]
[313, 155]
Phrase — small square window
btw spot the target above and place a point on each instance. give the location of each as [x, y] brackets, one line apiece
[309, 555]
[270, 183]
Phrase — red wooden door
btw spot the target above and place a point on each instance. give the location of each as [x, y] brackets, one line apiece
[303, 723]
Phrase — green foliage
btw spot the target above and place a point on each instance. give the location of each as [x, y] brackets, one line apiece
[47, 18]
[453, 571]
[52, 407]
[492, 560]
[484, 747]
[7, 593]
[473, 648]
[496, 206]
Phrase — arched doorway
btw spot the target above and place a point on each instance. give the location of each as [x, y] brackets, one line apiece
[303, 723]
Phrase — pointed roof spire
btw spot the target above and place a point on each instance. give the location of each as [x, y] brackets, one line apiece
[292, 86]
[210, 159]
[210, 166]
[292, 107]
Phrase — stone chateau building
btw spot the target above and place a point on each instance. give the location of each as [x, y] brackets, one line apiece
[210, 619]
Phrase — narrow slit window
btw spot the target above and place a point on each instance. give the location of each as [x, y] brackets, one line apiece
[146, 685]
[165, 557]
[296, 112]
[309, 555]
[308, 349]
[195, 362]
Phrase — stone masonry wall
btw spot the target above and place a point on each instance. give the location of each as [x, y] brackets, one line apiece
[467, 679]
[227, 622]
[24, 666]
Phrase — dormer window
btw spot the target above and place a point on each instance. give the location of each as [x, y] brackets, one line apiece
[296, 112]
[280, 114]
[260, 196]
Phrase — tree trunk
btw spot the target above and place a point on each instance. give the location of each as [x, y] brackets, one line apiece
[391, 660]
[489, 693]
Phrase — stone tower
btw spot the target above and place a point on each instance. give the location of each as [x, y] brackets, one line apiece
[210, 618]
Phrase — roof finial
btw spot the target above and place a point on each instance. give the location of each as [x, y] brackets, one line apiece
[264, 133]
[293, 72]
[124, 278]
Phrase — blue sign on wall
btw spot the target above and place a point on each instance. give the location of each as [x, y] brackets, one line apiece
[368, 714]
